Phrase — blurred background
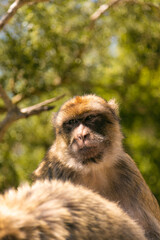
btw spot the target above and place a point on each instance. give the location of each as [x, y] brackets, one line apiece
[52, 48]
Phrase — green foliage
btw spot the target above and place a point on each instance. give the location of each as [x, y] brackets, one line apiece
[50, 48]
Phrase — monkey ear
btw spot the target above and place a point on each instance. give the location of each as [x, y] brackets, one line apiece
[114, 106]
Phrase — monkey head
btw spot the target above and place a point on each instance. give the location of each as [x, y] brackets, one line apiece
[88, 126]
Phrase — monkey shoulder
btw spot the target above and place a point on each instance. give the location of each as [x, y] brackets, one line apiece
[52, 167]
[136, 189]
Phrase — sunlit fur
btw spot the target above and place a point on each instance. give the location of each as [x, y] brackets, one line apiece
[59, 211]
[114, 175]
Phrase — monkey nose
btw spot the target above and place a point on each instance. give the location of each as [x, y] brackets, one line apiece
[81, 139]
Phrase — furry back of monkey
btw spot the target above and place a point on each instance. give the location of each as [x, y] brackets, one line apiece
[61, 211]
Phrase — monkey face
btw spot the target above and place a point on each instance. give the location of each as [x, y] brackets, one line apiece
[86, 137]
[88, 125]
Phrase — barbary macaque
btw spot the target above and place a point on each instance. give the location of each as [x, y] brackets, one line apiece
[88, 151]
[60, 211]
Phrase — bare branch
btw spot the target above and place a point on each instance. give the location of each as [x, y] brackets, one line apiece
[10, 13]
[35, 111]
[11, 117]
[17, 98]
[15, 113]
[6, 99]
[39, 106]
[103, 8]
[14, 8]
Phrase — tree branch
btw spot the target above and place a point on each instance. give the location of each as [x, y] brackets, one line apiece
[39, 107]
[14, 8]
[14, 113]
[12, 116]
[103, 8]
[7, 101]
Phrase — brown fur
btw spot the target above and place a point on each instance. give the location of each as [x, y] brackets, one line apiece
[114, 174]
[61, 211]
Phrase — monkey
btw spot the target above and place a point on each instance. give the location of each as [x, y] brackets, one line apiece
[88, 151]
[54, 210]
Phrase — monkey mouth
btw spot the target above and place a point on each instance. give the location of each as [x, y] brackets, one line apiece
[88, 155]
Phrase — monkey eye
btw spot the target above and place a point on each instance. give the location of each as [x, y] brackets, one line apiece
[70, 124]
[90, 117]
[72, 121]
